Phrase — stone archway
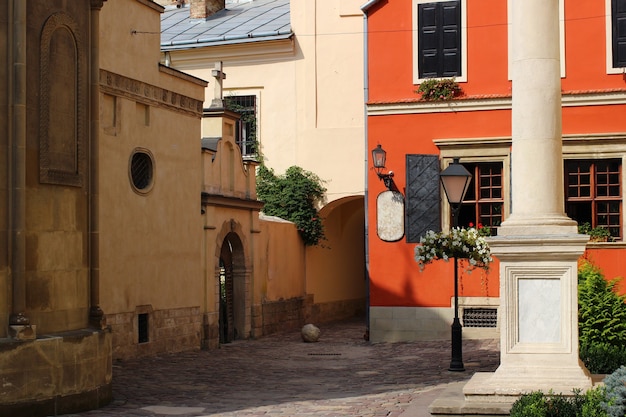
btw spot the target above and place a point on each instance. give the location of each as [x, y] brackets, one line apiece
[233, 282]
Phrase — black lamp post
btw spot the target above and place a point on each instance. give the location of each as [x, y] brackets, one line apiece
[455, 180]
[379, 157]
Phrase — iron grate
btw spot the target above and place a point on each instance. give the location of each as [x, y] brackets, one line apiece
[480, 317]
[141, 170]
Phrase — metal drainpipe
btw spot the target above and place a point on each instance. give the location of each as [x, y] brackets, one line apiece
[364, 9]
[17, 161]
[96, 315]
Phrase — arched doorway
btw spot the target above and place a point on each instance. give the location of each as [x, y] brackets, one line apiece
[232, 290]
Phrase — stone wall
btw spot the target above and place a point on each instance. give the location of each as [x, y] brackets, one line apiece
[334, 310]
[282, 315]
[57, 374]
[168, 331]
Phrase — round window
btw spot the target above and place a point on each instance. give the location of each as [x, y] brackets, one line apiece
[141, 171]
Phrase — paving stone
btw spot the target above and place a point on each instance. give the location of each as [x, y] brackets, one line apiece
[278, 375]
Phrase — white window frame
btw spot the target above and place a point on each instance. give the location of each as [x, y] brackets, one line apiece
[509, 8]
[609, 41]
[477, 150]
[416, 73]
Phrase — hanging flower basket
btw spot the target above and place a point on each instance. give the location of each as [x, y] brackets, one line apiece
[462, 243]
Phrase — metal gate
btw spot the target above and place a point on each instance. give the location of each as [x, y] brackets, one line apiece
[227, 316]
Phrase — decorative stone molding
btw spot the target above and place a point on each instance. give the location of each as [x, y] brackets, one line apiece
[63, 80]
[485, 103]
[119, 85]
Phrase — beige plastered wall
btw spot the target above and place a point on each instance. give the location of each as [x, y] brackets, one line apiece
[150, 241]
[281, 261]
[309, 93]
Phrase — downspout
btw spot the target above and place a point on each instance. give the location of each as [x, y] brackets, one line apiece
[96, 315]
[17, 162]
[365, 9]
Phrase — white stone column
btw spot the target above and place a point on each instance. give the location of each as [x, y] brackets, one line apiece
[537, 167]
[537, 245]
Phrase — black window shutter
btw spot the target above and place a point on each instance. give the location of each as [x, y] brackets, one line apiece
[439, 26]
[422, 196]
[618, 16]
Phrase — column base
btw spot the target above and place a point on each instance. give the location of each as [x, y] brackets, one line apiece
[538, 226]
[23, 332]
[507, 384]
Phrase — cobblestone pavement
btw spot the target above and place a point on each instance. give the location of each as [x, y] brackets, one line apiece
[279, 375]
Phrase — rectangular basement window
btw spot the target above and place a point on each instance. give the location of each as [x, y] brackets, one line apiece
[142, 327]
[480, 317]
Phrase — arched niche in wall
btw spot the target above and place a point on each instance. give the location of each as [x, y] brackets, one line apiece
[63, 105]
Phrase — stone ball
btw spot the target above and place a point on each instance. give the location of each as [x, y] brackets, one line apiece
[310, 333]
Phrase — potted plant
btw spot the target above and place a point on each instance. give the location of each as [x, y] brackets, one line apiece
[596, 234]
[435, 89]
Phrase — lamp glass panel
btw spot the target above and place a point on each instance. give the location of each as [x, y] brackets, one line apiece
[455, 188]
[379, 157]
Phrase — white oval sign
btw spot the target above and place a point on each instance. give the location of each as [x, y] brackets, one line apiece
[390, 216]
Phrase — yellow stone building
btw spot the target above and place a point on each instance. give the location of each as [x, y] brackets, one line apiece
[128, 226]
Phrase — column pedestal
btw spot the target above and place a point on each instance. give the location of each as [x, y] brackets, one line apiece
[539, 313]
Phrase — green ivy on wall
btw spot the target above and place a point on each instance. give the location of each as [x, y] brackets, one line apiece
[293, 196]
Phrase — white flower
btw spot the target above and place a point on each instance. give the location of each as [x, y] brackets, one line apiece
[459, 243]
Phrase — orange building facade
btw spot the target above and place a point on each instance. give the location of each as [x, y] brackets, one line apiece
[409, 41]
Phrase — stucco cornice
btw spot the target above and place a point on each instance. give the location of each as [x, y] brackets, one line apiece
[119, 85]
[490, 103]
[258, 52]
[231, 202]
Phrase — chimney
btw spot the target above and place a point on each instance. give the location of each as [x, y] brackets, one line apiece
[201, 9]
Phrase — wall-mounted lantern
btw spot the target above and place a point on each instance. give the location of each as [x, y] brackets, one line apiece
[379, 157]
[389, 203]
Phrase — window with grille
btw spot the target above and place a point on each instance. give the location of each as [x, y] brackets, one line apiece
[593, 193]
[246, 128]
[484, 201]
[141, 170]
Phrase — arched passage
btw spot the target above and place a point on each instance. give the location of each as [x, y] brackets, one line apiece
[232, 281]
[335, 271]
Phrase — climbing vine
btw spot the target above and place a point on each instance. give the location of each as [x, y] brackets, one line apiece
[293, 196]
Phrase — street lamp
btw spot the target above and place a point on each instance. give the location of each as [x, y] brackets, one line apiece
[455, 180]
[379, 157]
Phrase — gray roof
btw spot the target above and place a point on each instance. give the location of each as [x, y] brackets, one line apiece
[239, 22]
[210, 143]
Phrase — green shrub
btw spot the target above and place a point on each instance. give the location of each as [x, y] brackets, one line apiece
[615, 385]
[293, 196]
[530, 405]
[601, 321]
[602, 358]
[538, 404]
